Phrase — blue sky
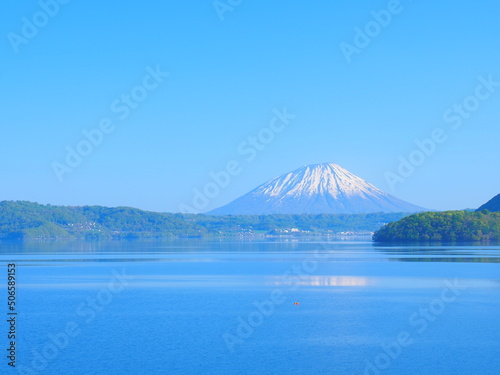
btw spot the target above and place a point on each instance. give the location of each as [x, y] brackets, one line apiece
[228, 74]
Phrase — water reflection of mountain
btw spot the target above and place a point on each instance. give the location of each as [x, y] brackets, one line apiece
[326, 281]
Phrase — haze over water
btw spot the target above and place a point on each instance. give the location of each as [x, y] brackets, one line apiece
[256, 307]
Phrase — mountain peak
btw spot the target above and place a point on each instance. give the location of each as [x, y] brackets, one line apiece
[315, 189]
[327, 178]
[492, 205]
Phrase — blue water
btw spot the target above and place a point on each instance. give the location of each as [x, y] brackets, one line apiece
[229, 307]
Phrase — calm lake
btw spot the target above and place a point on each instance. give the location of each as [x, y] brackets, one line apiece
[197, 307]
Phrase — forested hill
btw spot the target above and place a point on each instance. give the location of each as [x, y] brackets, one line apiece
[448, 226]
[24, 220]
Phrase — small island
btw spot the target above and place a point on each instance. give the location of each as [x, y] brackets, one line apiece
[447, 226]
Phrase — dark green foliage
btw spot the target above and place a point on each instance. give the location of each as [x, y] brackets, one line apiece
[448, 226]
[492, 205]
[23, 220]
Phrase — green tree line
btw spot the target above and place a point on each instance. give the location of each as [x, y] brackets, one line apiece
[23, 220]
[447, 226]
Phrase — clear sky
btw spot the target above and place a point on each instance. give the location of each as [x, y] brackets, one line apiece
[350, 86]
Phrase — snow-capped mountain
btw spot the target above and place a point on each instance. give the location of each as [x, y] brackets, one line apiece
[315, 189]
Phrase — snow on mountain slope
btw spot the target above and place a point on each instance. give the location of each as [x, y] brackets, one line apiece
[315, 189]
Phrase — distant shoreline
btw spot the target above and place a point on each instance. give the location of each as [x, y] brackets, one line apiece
[20, 220]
